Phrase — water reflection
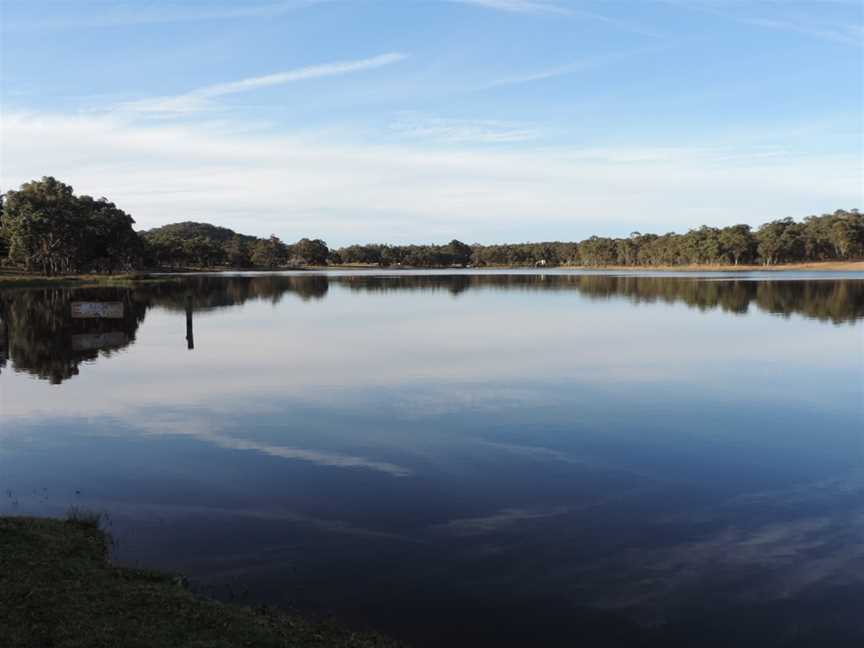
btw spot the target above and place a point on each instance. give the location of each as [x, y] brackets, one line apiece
[466, 460]
[39, 335]
[42, 337]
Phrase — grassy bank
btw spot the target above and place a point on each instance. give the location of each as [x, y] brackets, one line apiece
[17, 279]
[58, 589]
[11, 278]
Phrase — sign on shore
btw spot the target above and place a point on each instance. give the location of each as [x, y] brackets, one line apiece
[86, 310]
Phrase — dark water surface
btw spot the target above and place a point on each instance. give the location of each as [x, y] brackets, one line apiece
[463, 458]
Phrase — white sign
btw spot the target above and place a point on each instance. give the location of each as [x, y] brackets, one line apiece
[111, 310]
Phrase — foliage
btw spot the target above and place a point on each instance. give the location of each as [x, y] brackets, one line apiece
[270, 253]
[3, 247]
[454, 253]
[199, 245]
[47, 228]
[838, 236]
[306, 252]
[202, 245]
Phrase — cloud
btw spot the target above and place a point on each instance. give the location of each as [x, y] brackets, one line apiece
[588, 63]
[810, 24]
[769, 535]
[199, 99]
[845, 34]
[206, 430]
[330, 459]
[498, 521]
[547, 73]
[531, 7]
[462, 131]
[345, 190]
[516, 6]
[137, 14]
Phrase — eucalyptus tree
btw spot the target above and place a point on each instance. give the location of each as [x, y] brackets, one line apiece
[309, 252]
[738, 244]
[270, 253]
[238, 252]
[780, 241]
[42, 225]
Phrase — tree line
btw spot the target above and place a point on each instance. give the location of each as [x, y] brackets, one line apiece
[45, 227]
[201, 245]
[829, 237]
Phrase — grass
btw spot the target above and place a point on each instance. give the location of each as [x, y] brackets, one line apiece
[12, 278]
[58, 589]
[18, 279]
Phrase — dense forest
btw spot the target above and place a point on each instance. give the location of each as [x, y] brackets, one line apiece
[46, 228]
[830, 237]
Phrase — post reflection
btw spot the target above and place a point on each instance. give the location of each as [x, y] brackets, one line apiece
[190, 339]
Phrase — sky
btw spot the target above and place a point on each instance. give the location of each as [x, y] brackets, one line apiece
[426, 120]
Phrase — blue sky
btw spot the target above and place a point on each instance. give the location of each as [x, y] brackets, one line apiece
[424, 120]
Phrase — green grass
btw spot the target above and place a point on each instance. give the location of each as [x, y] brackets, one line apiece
[58, 589]
[11, 279]
[129, 280]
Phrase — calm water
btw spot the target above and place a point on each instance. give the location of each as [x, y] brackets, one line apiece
[463, 458]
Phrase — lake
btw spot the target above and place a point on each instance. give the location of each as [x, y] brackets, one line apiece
[465, 458]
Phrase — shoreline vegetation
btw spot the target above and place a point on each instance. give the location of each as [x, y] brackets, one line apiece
[15, 278]
[46, 230]
[58, 588]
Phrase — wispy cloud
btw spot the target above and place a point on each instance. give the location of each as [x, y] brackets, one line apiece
[809, 23]
[587, 63]
[531, 7]
[497, 521]
[140, 14]
[202, 429]
[547, 73]
[462, 131]
[331, 459]
[516, 6]
[847, 34]
[199, 99]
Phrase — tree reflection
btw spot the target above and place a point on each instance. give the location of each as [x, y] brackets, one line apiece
[44, 339]
[40, 337]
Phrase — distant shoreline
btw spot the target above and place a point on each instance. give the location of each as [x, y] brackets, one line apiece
[16, 279]
[821, 266]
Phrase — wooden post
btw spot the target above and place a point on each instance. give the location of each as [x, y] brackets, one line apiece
[190, 339]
